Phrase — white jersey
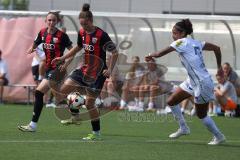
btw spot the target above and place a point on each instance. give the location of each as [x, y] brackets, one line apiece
[39, 57]
[190, 53]
[3, 68]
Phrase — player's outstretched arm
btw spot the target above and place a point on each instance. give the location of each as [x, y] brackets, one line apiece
[159, 53]
[32, 48]
[69, 54]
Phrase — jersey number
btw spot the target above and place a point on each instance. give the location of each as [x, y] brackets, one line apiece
[199, 53]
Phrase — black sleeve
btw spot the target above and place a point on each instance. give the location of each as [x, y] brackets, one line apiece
[79, 40]
[66, 41]
[38, 39]
[107, 43]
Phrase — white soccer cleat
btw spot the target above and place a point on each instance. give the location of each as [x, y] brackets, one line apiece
[27, 128]
[51, 105]
[72, 120]
[217, 140]
[179, 133]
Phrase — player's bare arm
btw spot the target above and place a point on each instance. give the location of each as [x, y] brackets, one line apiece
[32, 48]
[159, 53]
[71, 53]
[113, 60]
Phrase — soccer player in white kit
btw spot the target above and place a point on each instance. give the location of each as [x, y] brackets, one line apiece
[198, 83]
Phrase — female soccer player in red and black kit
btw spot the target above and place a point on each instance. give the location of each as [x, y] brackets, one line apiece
[90, 77]
[54, 43]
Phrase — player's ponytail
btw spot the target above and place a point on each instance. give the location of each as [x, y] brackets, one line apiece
[86, 13]
[85, 7]
[184, 25]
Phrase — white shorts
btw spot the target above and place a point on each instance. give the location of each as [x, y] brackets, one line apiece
[202, 93]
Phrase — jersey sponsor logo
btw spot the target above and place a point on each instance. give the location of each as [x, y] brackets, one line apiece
[94, 40]
[88, 47]
[48, 46]
[55, 40]
[178, 43]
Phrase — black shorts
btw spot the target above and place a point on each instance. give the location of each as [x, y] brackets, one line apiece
[55, 75]
[35, 72]
[94, 86]
[5, 81]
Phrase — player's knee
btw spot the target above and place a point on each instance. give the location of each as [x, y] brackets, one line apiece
[216, 94]
[173, 100]
[110, 85]
[90, 103]
[170, 102]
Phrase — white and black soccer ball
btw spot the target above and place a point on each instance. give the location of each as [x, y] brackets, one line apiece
[75, 100]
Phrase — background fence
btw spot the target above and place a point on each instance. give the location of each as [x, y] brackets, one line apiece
[135, 34]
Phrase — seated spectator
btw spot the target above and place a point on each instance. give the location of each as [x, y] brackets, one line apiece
[232, 77]
[132, 78]
[3, 76]
[225, 94]
[111, 84]
[152, 84]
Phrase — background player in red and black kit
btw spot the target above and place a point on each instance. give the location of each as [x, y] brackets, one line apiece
[54, 43]
[90, 77]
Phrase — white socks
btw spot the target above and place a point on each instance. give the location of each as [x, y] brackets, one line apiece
[176, 111]
[140, 104]
[33, 124]
[96, 132]
[136, 100]
[123, 103]
[150, 105]
[182, 109]
[211, 126]
[40, 77]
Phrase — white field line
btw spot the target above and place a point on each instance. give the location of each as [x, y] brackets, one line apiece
[102, 141]
[48, 141]
[188, 141]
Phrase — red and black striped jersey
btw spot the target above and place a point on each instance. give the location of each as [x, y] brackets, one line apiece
[53, 45]
[95, 45]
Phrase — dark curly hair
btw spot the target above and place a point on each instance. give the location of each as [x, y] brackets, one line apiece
[184, 25]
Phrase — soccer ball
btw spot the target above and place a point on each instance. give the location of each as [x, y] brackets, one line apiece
[75, 100]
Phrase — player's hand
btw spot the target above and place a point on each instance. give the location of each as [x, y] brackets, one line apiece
[57, 60]
[148, 57]
[30, 50]
[106, 73]
[62, 67]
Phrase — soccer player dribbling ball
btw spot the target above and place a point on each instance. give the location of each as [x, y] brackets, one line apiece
[198, 83]
[90, 77]
[54, 43]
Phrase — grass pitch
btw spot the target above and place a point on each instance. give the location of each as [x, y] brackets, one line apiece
[126, 136]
